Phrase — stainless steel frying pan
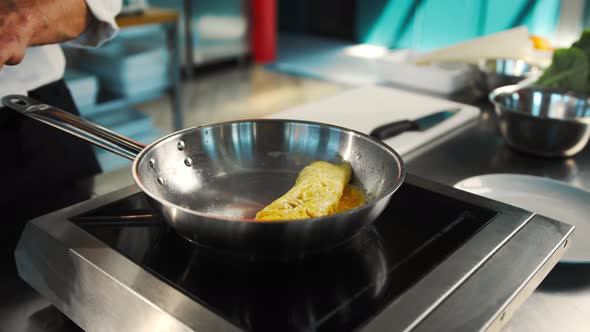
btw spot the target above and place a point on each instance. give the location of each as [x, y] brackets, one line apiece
[208, 182]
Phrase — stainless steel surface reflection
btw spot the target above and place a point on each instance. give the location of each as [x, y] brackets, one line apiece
[541, 121]
[208, 182]
[495, 73]
[505, 160]
[362, 261]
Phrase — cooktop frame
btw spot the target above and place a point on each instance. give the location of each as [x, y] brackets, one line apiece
[475, 288]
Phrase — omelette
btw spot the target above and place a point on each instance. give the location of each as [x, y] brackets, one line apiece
[318, 192]
[352, 197]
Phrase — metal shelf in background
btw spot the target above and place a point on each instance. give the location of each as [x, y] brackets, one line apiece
[108, 101]
[192, 66]
[169, 20]
[188, 32]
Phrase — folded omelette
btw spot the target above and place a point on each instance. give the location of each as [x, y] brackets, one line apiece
[316, 193]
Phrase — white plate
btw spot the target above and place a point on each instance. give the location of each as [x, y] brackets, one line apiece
[553, 199]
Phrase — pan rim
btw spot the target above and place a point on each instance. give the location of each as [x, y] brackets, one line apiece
[388, 193]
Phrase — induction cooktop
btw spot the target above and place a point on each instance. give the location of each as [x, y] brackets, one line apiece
[436, 259]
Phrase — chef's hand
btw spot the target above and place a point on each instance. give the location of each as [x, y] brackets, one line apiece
[25, 23]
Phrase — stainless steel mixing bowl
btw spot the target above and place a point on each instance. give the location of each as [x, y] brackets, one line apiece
[542, 121]
[494, 73]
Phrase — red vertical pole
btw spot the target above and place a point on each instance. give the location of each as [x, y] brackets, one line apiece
[264, 30]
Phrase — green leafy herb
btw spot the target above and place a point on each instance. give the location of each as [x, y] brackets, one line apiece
[568, 69]
[584, 42]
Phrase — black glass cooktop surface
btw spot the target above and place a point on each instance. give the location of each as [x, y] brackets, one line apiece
[337, 290]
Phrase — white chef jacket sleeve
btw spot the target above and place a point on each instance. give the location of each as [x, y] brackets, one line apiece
[102, 26]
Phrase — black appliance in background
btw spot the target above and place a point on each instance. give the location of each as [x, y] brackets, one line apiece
[321, 18]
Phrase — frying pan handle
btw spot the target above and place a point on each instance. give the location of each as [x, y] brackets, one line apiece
[60, 119]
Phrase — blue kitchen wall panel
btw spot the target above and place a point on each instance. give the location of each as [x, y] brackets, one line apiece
[425, 25]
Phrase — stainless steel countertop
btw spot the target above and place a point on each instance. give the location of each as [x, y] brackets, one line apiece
[479, 149]
[561, 303]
